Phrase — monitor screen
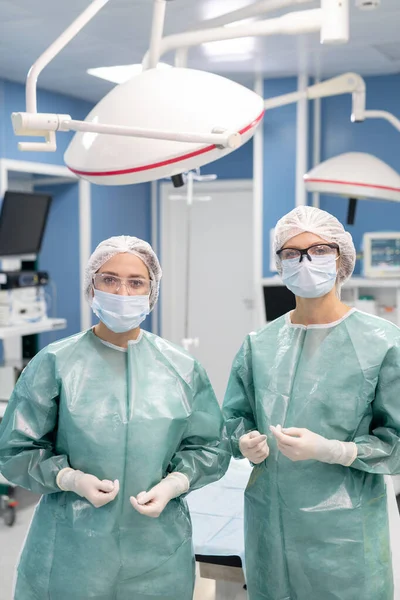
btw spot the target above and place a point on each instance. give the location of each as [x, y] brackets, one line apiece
[278, 301]
[22, 223]
[385, 253]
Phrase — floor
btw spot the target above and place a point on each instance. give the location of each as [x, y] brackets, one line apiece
[12, 538]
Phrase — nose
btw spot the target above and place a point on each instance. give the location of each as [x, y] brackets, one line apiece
[123, 290]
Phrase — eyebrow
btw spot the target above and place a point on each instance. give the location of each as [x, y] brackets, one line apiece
[116, 275]
[308, 247]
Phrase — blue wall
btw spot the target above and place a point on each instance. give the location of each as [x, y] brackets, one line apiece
[237, 165]
[115, 210]
[279, 160]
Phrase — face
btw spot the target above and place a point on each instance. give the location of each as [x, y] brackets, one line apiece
[128, 267]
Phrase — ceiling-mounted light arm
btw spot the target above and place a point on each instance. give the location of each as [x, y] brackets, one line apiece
[36, 123]
[247, 12]
[383, 114]
[157, 28]
[349, 83]
[55, 48]
[332, 20]
[49, 145]
[290, 24]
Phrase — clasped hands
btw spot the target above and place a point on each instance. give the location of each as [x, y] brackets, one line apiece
[298, 444]
[101, 492]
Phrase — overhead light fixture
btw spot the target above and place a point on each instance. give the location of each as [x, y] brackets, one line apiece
[121, 73]
[164, 122]
[158, 98]
[355, 175]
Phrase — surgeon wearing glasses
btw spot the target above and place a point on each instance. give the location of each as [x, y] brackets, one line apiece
[112, 425]
[313, 402]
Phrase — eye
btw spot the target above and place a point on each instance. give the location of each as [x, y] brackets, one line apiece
[109, 280]
[289, 254]
[322, 250]
[136, 283]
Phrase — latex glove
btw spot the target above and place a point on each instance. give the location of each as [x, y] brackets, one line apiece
[302, 444]
[153, 502]
[254, 446]
[87, 486]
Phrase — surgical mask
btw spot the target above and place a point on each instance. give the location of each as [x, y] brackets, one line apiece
[120, 313]
[310, 279]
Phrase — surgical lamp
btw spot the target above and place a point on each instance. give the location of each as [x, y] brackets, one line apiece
[355, 175]
[124, 139]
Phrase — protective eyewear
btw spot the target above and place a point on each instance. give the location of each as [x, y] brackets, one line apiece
[310, 252]
[135, 286]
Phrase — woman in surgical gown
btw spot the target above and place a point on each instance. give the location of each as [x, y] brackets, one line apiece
[323, 383]
[112, 426]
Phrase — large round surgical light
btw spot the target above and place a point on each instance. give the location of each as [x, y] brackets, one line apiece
[179, 100]
[355, 175]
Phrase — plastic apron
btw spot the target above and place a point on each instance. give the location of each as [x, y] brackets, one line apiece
[132, 416]
[316, 531]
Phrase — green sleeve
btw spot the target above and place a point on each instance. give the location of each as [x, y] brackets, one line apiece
[203, 455]
[239, 399]
[379, 452]
[28, 429]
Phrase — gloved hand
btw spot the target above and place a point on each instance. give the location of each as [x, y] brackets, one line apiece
[302, 444]
[254, 446]
[87, 486]
[152, 503]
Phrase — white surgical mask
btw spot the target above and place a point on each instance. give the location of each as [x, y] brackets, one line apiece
[310, 279]
[120, 313]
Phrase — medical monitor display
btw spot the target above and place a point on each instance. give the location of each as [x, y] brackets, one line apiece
[23, 220]
[385, 253]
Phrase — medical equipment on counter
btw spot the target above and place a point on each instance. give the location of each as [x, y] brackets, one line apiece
[366, 304]
[24, 305]
[381, 254]
[221, 114]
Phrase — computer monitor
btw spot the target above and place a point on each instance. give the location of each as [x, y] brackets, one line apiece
[278, 300]
[23, 220]
[381, 254]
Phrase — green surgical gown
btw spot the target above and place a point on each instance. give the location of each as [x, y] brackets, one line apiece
[316, 531]
[132, 416]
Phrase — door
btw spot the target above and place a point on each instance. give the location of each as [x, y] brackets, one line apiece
[221, 283]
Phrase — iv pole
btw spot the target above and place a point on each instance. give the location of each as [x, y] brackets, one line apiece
[192, 176]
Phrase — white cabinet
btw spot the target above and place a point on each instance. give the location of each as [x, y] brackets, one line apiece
[378, 296]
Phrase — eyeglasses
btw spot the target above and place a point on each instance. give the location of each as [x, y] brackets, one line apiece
[310, 252]
[134, 286]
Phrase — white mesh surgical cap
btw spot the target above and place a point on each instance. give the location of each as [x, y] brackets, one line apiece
[313, 220]
[120, 245]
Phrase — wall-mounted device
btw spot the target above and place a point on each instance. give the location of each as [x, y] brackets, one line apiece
[381, 254]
